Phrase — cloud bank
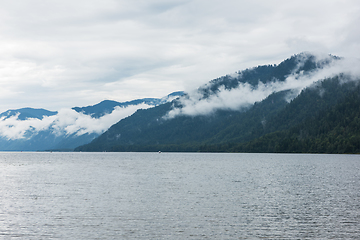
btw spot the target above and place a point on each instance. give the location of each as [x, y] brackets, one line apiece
[245, 95]
[66, 122]
[60, 53]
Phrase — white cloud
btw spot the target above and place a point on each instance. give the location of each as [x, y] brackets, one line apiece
[12, 128]
[245, 95]
[67, 122]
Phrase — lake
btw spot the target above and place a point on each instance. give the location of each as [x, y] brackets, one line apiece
[178, 196]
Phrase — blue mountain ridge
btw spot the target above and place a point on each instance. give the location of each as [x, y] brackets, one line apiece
[28, 112]
[107, 106]
[49, 139]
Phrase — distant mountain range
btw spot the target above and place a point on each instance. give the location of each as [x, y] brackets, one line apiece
[29, 129]
[25, 113]
[308, 103]
[304, 104]
[107, 106]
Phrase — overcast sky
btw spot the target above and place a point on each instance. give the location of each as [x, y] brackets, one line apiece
[60, 54]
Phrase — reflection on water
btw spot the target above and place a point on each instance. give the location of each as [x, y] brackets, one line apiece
[178, 196]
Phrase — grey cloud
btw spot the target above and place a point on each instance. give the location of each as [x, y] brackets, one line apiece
[70, 48]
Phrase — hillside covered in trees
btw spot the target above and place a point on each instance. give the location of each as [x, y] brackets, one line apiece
[311, 124]
[288, 107]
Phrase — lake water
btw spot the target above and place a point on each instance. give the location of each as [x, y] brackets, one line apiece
[179, 196]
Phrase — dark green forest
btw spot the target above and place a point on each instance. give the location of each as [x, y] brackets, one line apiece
[332, 129]
[323, 118]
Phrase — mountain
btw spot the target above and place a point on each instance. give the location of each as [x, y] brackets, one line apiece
[39, 129]
[311, 123]
[107, 106]
[25, 113]
[307, 103]
[244, 111]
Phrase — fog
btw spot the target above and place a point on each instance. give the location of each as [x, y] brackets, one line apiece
[66, 122]
[245, 95]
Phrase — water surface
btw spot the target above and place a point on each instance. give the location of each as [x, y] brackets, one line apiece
[179, 196]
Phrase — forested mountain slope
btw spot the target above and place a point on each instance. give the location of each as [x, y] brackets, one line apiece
[323, 119]
[201, 121]
[336, 130]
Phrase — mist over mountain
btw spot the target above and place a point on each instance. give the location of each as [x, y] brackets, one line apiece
[270, 108]
[326, 124]
[107, 106]
[236, 109]
[40, 129]
[25, 113]
[242, 89]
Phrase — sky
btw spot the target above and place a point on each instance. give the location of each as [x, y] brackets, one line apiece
[61, 54]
